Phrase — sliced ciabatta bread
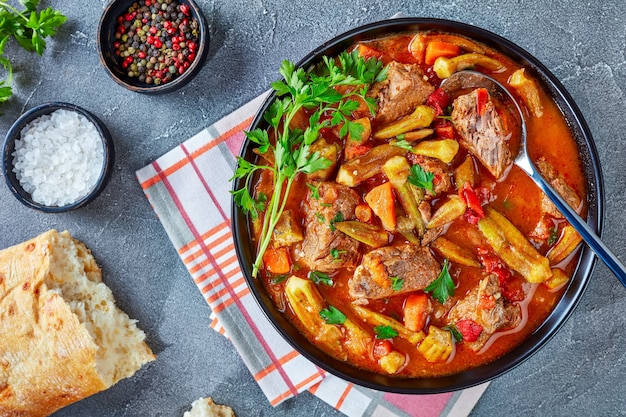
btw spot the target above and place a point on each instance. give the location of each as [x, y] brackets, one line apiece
[63, 338]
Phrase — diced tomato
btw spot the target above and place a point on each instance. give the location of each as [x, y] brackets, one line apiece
[438, 100]
[469, 329]
[355, 149]
[510, 286]
[417, 308]
[482, 97]
[445, 130]
[432, 76]
[382, 347]
[489, 259]
[512, 289]
[474, 210]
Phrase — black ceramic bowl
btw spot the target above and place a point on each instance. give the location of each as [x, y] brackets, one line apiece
[574, 291]
[15, 133]
[113, 64]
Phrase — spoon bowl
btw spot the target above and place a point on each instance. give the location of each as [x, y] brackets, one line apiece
[472, 79]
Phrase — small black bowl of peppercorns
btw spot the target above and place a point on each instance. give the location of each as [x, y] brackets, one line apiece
[152, 46]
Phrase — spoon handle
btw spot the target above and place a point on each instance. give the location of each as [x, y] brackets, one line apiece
[588, 235]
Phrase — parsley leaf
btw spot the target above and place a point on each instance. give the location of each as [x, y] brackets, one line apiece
[279, 279]
[331, 315]
[402, 144]
[316, 91]
[320, 278]
[315, 190]
[458, 337]
[443, 287]
[553, 236]
[336, 253]
[29, 28]
[419, 177]
[385, 332]
[396, 283]
[338, 218]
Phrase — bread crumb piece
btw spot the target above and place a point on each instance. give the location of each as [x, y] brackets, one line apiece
[205, 407]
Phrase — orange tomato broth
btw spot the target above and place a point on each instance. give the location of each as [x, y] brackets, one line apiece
[515, 196]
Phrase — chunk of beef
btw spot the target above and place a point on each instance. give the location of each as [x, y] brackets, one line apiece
[320, 236]
[411, 263]
[549, 211]
[485, 306]
[561, 186]
[402, 91]
[484, 135]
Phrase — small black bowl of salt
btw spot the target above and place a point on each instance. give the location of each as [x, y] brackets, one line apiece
[57, 157]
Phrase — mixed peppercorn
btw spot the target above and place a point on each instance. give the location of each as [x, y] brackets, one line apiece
[156, 40]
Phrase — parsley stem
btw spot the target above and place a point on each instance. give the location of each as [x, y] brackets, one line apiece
[274, 211]
[13, 9]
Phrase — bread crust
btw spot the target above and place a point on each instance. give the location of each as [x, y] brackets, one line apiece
[47, 357]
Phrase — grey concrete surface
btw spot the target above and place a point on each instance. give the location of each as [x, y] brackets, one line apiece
[580, 372]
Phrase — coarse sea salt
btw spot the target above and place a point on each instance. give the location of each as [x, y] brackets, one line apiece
[58, 158]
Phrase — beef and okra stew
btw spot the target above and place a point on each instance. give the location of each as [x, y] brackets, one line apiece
[390, 224]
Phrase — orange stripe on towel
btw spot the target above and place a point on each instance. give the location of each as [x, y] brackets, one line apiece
[343, 397]
[204, 237]
[299, 386]
[158, 177]
[212, 244]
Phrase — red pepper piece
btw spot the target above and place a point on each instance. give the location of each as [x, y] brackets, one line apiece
[482, 97]
[184, 9]
[474, 210]
[438, 100]
[469, 329]
[445, 130]
[382, 347]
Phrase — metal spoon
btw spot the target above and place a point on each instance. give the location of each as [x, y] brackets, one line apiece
[472, 79]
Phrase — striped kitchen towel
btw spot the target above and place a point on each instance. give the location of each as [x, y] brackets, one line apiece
[188, 188]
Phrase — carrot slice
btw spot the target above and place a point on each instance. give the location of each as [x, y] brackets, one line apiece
[416, 311]
[276, 260]
[382, 202]
[435, 49]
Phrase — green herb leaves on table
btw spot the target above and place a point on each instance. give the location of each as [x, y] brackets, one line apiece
[316, 92]
[29, 28]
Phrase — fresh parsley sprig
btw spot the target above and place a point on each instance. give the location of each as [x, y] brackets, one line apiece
[316, 91]
[443, 287]
[419, 177]
[29, 28]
